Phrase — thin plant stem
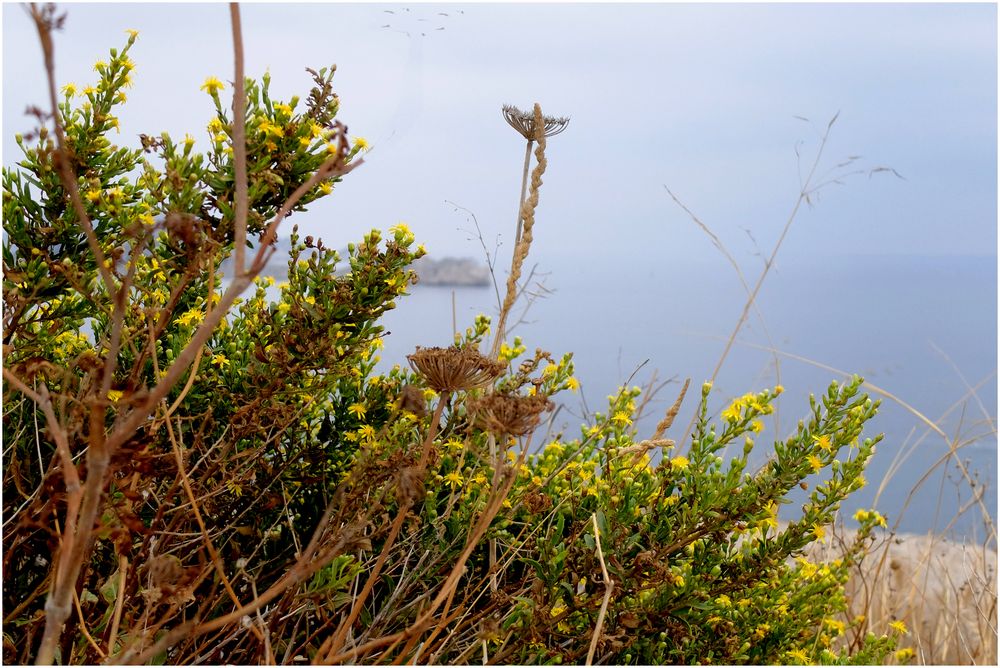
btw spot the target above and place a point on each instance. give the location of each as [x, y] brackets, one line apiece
[524, 189]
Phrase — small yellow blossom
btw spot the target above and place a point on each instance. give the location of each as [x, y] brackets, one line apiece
[899, 626]
[89, 90]
[326, 187]
[818, 531]
[572, 383]
[220, 361]
[69, 90]
[798, 656]
[93, 195]
[114, 395]
[357, 409]
[99, 66]
[621, 418]
[814, 463]
[680, 463]
[212, 86]
[366, 431]
[732, 414]
[778, 389]
[361, 144]
[454, 480]
[310, 300]
[823, 442]
[835, 625]
[904, 654]
[757, 426]
[283, 108]
[132, 34]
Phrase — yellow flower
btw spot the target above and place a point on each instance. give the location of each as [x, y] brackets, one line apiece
[212, 86]
[680, 463]
[326, 188]
[904, 654]
[310, 300]
[99, 65]
[220, 361]
[799, 657]
[732, 414]
[114, 395]
[89, 90]
[283, 108]
[361, 144]
[454, 444]
[823, 442]
[357, 409]
[899, 626]
[818, 531]
[757, 426]
[815, 463]
[366, 431]
[454, 480]
[724, 601]
[778, 389]
[132, 34]
[835, 625]
[93, 195]
[69, 90]
[401, 231]
[572, 383]
[621, 418]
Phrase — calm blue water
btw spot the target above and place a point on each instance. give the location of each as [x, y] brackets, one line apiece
[923, 329]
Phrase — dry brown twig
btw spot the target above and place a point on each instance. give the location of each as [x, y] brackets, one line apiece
[609, 586]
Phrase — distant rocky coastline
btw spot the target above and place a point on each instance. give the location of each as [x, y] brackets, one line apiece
[445, 271]
[451, 271]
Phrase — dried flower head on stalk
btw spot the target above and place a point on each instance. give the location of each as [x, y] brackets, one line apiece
[509, 414]
[524, 122]
[452, 369]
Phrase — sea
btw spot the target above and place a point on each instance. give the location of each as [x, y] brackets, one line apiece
[921, 331]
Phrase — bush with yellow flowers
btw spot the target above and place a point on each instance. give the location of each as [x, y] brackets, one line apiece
[203, 472]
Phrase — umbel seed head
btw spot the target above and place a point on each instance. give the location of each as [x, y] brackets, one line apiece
[453, 369]
[524, 122]
[510, 414]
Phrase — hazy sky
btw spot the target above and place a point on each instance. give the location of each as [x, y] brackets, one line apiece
[701, 98]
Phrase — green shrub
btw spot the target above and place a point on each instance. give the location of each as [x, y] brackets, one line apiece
[210, 479]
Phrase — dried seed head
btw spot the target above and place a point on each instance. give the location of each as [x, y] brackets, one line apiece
[452, 369]
[411, 399]
[524, 122]
[410, 485]
[164, 570]
[509, 414]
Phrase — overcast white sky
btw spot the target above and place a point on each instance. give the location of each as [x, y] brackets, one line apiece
[702, 98]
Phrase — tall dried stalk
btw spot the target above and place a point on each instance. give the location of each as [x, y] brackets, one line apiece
[526, 221]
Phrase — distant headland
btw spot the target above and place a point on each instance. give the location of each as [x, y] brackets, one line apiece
[444, 271]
